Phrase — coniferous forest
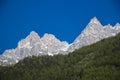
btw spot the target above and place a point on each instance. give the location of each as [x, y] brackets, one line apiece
[99, 61]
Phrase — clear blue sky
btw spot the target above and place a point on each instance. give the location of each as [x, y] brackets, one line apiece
[63, 18]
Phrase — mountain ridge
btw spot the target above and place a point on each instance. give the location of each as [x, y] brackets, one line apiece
[99, 61]
[35, 45]
[94, 32]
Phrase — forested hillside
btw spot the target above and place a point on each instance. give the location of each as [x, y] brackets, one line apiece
[99, 61]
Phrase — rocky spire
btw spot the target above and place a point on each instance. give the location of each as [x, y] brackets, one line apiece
[94, 20]
[32, 38]
[50, 45]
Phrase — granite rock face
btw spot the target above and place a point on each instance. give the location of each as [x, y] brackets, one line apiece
[34, 45]
[50, 45]
[94, 32]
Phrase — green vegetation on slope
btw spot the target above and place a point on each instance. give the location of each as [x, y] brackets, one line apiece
[100, 61]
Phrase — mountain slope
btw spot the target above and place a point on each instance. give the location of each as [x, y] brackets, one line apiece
[99, 61]
[33, 45]
[94, 32]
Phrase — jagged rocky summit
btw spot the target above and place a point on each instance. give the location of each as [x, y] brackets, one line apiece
[34, 45]
[50, 45]
[94, 32]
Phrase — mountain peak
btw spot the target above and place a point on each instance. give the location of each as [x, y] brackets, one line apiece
[109, 26]
[48, 36]
[117, 26]
[50, 45]
[93, 26]
[33, 33]
[95, 21]
[32, 38]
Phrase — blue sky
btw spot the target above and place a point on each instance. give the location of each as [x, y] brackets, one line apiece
[63, 18]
